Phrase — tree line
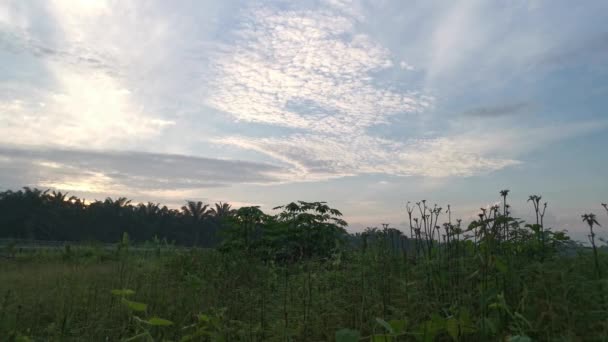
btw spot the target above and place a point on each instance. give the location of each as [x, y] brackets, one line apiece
[299, 230]
[37, 214]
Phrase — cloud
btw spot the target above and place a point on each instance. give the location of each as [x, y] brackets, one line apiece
[126, 172]
[321, 85]
[498, 110]
[55, 31]
[71, 84]
[478, 44]
[316, 157]
[86, 74]
[90, 109]
[287, 59]
[477, 150]
[311, 70]
[405, 66]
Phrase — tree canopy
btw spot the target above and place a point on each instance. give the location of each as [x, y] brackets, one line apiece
[300, 230]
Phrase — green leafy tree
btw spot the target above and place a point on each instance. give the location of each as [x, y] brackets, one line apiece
[245, 231]
[307, 229]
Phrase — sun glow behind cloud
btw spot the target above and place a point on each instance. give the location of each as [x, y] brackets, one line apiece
[89, 109]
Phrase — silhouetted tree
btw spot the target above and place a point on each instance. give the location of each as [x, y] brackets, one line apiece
[222, 210]
[197, 213]
[36, 214]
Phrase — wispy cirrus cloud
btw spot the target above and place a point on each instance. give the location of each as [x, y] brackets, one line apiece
[317, 157]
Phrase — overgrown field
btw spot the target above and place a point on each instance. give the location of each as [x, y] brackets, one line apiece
[299, 276]
[83, 294]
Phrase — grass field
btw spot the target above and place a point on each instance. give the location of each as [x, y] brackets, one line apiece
[382, 294]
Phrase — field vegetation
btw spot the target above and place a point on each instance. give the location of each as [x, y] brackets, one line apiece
[148, 273]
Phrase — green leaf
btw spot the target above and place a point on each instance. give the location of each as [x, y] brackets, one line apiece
[385, 325]
[466, 325]
[519, 338]
[123, 292]
[425, 332]
[464, 317]
[135, 306]
[22, 338]
[501, 266]
[159, 322]
[473, 275]
[429, 329]
[489, 325]
[495, 306]
[137, 337]
[437, 324]
[398, 325]
[347, 335]
[381, 338]
[451, 326]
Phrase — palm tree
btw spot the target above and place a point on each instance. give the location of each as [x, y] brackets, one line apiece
[35, 192]
[35, 223]
[60, 199]
[120, 202]
[149, 209]
[58, 196]
[221, 210]
[118, 206]
[605, 206]
[196, 212]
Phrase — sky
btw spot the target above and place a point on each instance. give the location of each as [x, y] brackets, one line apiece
[363, 104]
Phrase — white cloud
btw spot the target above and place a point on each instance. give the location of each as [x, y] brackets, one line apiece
[315, 157]
[110, 84]
[348, 7]
[313, 71]
[309, 70]
[85, 108]
[406, 66]
[90, 56]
